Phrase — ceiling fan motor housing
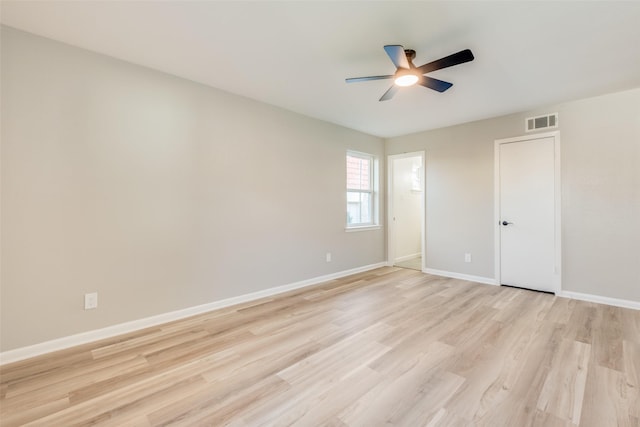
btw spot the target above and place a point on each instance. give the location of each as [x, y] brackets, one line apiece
[411, 54]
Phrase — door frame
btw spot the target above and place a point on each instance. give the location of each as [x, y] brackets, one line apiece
[391, 232]
[557, 278]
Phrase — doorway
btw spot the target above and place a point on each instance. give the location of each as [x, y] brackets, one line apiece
[406, 205]
[527, 227]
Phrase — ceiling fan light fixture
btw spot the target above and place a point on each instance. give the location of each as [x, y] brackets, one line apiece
[406, 80]
[408, 74]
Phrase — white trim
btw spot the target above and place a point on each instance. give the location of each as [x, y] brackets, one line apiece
[469, 277]
[557, 284]
[496, 212]
[600, 299]
[362, 228]
[134, 325]
[616, 302]
[408, 257]
[390, 222]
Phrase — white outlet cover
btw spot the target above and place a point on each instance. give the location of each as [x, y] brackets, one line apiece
[90, 301]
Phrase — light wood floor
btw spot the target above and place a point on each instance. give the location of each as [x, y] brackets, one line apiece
[387, 347]
[413, 264]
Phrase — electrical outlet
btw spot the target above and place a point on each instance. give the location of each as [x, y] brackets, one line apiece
[467, 257]
[328, 257]
[91, 301]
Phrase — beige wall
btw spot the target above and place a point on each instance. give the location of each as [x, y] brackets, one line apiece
[600, 144]
[163, 194]
[156, 192]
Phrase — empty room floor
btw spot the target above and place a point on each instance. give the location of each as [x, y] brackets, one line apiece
[414, 264]
[386, 347]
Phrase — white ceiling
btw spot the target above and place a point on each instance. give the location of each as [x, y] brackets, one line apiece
[296, 55]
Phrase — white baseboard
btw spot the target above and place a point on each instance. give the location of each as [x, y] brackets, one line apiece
[123, 328]
[408, 257]
[601, 300]
[565, 294]
[479, 279]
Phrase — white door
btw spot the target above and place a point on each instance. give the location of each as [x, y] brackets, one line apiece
[527, 213]
[405, 244]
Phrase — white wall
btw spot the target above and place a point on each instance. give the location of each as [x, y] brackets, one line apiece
[156, 192]
[600, 145]
[406, 209]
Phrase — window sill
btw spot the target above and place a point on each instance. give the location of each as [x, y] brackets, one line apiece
[362, 228]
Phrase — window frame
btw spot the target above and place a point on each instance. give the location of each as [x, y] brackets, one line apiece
[373, 192]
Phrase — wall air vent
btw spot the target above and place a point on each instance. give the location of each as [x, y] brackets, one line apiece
[547, 121]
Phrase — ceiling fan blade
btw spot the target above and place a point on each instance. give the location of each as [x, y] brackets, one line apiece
[397, 55]
[448, 61]
[389, 93]
[366, 79]
[434, 84]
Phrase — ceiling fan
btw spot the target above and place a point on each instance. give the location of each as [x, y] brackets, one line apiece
[408, 74]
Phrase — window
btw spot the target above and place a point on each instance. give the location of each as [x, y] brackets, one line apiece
[361, 186]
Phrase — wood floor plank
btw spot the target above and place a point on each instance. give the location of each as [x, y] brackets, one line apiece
[510, 347]
[609, 399]
[583, 322]
[390, 346]
[313, 402]
[563, 389]
[216, 405]
[630, 325]
[398, 390]
[607, 348]
[631, 351]
[81, 374]
[429, 401]
[322, 409]
[339, 359]
[561, 310]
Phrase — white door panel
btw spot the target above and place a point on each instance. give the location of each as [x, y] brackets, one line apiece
[405, 207]
[527, 204]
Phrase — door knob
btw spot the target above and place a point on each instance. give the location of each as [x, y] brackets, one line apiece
[506, 223]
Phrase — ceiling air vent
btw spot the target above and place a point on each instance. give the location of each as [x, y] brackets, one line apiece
[541, 122]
